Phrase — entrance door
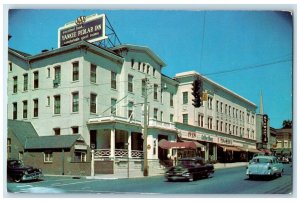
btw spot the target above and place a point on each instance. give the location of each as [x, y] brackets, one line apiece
[162, 153]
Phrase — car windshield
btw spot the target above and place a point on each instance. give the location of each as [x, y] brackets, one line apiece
[16, 163]
[262, 160]
[186, 163]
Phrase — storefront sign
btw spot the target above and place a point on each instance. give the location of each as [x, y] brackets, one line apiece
[91, 29]
[198, 136]
[265, 129]
[222, 140]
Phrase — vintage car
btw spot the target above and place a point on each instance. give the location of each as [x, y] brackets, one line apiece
[17, 172]
[264, 166]
[189, 169]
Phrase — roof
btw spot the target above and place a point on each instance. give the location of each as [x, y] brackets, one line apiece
[52, 142]
[80, 44]
[20, 52]
[22, 130]
[194, 73]
[141, 48]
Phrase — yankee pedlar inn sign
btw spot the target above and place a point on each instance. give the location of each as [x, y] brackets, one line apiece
[90, 28]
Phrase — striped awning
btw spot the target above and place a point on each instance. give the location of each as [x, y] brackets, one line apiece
[165, 144]
[229, 148]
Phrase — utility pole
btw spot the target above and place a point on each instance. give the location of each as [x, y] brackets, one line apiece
[145, 130]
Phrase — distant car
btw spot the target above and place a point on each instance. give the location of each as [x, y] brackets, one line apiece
[189, 169]
[264, 166]
[17, 172]
[284, 159]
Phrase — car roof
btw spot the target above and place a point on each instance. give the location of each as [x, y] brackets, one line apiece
[264, 157]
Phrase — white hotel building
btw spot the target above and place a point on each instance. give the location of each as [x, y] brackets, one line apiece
[99, 93]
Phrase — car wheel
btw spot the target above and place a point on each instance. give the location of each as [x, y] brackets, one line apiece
[191, 179]
[169, 179]
[17, 179]
[251, 177]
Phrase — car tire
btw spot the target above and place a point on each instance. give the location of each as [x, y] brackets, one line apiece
[169, 180]
[191, 179]
[251, 177]
[17, 179]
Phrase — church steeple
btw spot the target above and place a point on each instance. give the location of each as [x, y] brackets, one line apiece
[261, 105]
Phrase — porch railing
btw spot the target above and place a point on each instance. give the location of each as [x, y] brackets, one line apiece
[120, 153]
[161, 124]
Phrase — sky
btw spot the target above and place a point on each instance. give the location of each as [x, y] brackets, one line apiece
[248, 52]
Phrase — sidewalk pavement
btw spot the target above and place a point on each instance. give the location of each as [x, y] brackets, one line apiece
[123, 175]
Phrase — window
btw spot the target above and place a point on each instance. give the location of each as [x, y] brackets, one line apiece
[25, 87]
[209, 125]
[10, 66]
[79, 156]
[130, 109]
[225, 108]
[229, 110]
[155, 113]
[93, 105]
[161, 116]
[56, 131]
[221, 126]
[8, 145]
[75, 71]
[217, 125]
[130, 83]
[35, 108]
[221, 108]
[132, 63]
[48, 72]
[217, 106]
[185, 118]
[15, 87]
[248, 117]
[139, 66]
[93, 73]
[21, 155]
[57, 74]
[233, 111]
[171, 118]
[57, 104]
[113, 80]
[48, 157]
[148, 69]
[75, 102]
[35, 79]
[154, 72]
[210, 100]
[155, 91]
[15, 110]
[200, 120]
[171, 99]
[48, 101]
[226, 128]
[75, 129]
[113, 106]
[25, 106]
[184, 97]
[143, 87]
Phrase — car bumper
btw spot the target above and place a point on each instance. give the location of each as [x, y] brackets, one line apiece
[32, 176]
[266, 172]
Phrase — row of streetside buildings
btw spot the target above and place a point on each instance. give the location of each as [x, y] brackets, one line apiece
[81, 97]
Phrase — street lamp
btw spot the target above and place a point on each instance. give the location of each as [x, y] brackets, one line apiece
[146, 172]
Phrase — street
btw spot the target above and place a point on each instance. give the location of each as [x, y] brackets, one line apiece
[224, 181]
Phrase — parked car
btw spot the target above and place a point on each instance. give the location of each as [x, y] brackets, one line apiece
[284, 159]
[17, 172]
[264, 166]
[189, 169]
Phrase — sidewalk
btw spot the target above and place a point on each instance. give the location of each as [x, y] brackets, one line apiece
[123, 176]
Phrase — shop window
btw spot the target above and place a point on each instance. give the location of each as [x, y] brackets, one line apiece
[48, 157]
[80, 156]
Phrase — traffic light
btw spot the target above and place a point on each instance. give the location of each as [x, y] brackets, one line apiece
[197, 93]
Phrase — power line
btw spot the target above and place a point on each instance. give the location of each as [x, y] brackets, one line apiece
[247, 68]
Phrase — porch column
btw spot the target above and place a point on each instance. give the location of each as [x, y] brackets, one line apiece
[112, 142]
[129, 144]
[206, 151]
[215, 152]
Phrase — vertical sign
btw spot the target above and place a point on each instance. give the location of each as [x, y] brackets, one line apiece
[265, 129]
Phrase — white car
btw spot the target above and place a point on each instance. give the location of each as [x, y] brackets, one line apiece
[264, 166]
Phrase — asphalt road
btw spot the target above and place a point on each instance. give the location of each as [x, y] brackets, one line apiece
[229, 181]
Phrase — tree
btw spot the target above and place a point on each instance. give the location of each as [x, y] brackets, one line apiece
[287, 124]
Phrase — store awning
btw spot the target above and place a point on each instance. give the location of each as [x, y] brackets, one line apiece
[266, 151]
[165, 144]
[254, 150]
[249, 150]
[229, 148]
